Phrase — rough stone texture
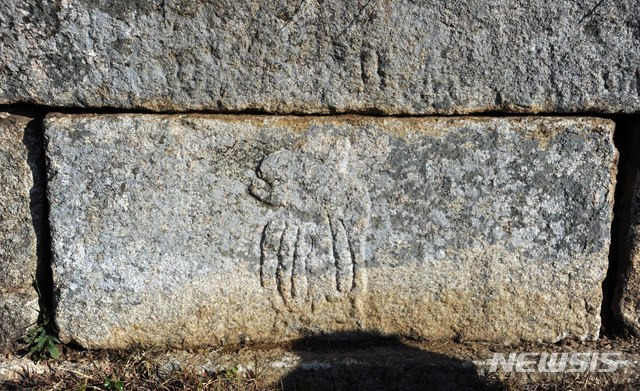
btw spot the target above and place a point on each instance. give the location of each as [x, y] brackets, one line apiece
[18, 312]
[194, 229]
[18, 241]
[399, 56]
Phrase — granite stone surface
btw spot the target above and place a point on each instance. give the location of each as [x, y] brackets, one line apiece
[394, 57]
[19, 196]
[187, 230]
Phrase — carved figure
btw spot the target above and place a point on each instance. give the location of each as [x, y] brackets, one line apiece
[315, 247]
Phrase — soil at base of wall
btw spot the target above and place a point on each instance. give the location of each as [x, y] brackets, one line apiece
[317, 364]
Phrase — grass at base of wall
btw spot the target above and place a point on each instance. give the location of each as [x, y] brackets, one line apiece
[369, 365]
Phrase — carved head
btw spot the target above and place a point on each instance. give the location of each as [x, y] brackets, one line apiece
[313, 180]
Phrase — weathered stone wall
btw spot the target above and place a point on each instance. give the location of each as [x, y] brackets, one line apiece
[18, 241]
[399, 56]
[227, 226]
[224, 228]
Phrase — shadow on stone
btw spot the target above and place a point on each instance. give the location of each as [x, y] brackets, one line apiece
[619, 274]
[367, 361]
[34, 141]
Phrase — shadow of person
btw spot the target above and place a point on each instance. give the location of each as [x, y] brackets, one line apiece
[369, 361]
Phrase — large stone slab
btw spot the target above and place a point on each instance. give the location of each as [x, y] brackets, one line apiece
[18, 240]
[398, 56]
[193, 229]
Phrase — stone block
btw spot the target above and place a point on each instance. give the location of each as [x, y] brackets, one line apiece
[187, 230]
[18, 240]
[394, 57]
